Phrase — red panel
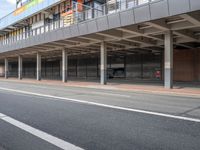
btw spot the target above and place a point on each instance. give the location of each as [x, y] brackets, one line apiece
[184, 65]
[198, 65]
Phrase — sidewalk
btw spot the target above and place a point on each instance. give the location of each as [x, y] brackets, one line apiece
[178, 90]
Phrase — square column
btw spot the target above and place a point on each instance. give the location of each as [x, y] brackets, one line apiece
[19, 67]
[6, 68]
[103, 57]
[38, 70]
[168, 74]
[64, 65]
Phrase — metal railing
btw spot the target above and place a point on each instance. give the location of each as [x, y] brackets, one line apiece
[12, 18]
[110, 7]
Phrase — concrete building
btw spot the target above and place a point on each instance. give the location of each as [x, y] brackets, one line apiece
[156, 40]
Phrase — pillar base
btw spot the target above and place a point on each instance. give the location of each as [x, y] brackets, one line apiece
[168, 78]
[103, 79]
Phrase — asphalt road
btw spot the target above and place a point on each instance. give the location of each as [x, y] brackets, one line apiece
[169, 104]
[92, 127]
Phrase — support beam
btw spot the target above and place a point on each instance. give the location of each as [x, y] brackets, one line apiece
[6, 68]
[168, 78]
[111, 34]
[64, 65]
[38, 66]
[194, 19]
[103, 63]
[161, 25]
[136, 32]
[19, 67]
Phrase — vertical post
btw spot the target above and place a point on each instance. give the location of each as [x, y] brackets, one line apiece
[76, 67]
[103, 58]
[125, 60]
[196, 65]
[6, 68]
[97, 67]
[136, 2]
[86, 69]
[168, 77]
[19, 67]
[64, 65]
[142, 66]
[60, 69]
[38, 66]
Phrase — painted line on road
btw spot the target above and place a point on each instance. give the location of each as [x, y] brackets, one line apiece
[103, 105]
[2, 115]
[40, 134]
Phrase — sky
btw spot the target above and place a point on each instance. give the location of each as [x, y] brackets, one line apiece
[6, 6]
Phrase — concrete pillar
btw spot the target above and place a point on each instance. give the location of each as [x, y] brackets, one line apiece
[64, 65]
[19, 67]
[6, 68]
[103, 57]
[38, 70]
[168, 76]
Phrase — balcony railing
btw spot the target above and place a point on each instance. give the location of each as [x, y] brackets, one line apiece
[110, 7]
[12, 18]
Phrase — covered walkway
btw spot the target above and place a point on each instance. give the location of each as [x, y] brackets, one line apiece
[161, 50]
[123, 67]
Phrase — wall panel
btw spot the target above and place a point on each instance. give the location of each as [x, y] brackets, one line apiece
[198, 65]
[29, 69]
[92, 67]
[151, 64]
[72, 67]
[133, 66]
[81, 68]
[184, 65]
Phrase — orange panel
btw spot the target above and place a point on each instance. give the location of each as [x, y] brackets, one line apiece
[19, 10]
[80, 5]
[184, 65]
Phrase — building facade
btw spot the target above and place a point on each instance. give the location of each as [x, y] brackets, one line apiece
[156, 40]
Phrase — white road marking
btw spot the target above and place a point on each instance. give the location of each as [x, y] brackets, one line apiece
[2, 115]
[104, 105]
[38, 133]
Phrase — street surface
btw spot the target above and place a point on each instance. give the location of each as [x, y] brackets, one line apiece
[41, 117]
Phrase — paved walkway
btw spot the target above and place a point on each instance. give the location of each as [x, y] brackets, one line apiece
[183, 89]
